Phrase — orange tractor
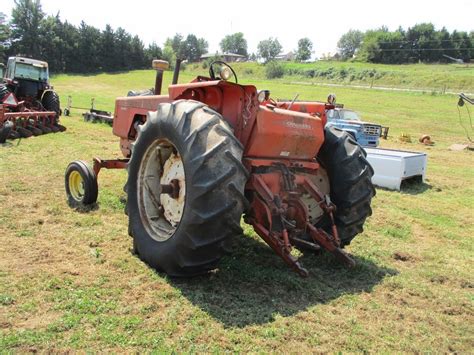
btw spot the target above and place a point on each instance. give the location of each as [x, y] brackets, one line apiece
[213, 150]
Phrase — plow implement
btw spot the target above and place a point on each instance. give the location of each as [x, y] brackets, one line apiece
[25, 124]
[28, 104]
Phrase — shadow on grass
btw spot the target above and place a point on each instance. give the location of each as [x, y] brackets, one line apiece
[6, 145]
[83, 208]
[414, 186]
[253, 285]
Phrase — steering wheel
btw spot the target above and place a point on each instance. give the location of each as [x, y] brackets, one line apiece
[212, 73]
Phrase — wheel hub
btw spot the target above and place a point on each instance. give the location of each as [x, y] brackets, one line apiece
[173, 180]
[162, 190]
[76, 186]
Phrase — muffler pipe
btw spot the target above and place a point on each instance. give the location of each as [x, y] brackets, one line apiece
[159, 66]
[176, 71]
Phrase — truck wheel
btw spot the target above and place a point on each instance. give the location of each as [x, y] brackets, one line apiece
[81, 184]
[350, 180]
[185, 188]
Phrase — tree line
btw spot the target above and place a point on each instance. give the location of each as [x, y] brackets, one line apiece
[420, 43]
[87, 49]
[84, 48]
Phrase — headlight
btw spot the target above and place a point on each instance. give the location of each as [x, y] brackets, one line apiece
[226, 73]
[332, 99]
[263, 95]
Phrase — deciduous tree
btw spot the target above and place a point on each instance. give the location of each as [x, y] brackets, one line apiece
[268, 49]
[304, 49]
[234, 43]
[349, 43]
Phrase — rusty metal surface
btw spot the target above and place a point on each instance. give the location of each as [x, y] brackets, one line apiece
[289, 190]
[285, 135]
[281, 217]
[29, 114]
[109, 164]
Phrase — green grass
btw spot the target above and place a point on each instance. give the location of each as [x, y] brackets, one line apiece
[429, 77]
[68, 279]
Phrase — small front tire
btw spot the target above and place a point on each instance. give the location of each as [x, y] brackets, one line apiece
[81, 184]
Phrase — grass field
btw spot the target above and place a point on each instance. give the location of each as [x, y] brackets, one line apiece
[68, 279]
[429, 77]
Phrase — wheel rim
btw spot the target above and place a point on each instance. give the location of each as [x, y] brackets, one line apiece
[160, 210]
[76, 185]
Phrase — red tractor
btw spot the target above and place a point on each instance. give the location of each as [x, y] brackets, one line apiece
[28, 104]
[213, 150]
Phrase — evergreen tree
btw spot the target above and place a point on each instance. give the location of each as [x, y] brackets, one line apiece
[152, 52]
[108, 50]
[5, 34]
[26, 20]
[52, 44]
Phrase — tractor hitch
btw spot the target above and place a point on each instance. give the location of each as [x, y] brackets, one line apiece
[282, 220]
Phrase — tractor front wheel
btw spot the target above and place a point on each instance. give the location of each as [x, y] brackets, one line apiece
[81, 184]
[185, 188]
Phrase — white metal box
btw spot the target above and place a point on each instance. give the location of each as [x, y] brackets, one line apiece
[391, 166]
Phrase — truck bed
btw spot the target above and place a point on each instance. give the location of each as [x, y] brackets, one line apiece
[391, 166]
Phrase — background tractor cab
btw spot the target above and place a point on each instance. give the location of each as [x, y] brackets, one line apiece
[27, 77]
[28, 104]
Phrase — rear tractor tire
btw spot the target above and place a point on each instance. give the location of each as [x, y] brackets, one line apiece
[351, 187]
[81, 184]
[185, 189]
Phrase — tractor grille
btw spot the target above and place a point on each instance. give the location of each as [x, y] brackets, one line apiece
[372, 130]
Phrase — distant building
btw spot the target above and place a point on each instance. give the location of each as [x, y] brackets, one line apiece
[226, 57]
[286, 57]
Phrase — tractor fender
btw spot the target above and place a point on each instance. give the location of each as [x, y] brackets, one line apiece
[44, 93]
[352, 132]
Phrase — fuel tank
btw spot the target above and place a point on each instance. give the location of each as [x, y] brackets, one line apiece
[285, 134]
